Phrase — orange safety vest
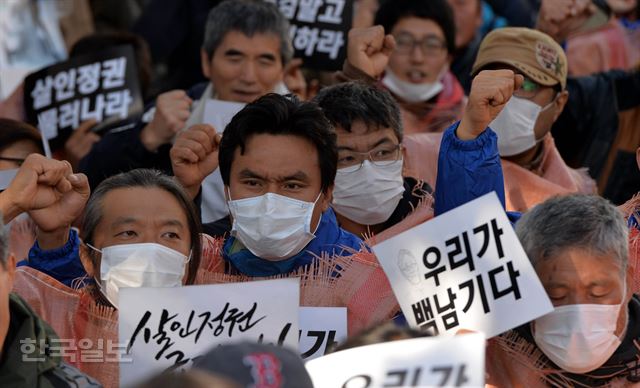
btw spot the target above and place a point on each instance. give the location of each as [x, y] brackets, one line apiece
[523, 188]
[361, 286]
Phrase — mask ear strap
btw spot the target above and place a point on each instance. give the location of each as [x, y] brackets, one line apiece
[94, 248]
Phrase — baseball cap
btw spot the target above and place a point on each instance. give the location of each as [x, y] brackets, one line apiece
[534, 53]
[256, 365]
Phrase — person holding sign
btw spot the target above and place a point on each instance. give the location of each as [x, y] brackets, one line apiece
[246, 48]
[412, 61]
[578, 247]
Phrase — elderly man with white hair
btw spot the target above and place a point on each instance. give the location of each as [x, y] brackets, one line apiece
[578, 246]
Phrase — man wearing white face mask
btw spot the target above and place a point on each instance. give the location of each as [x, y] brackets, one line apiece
[578, 247]
[278, 160]
[126, 242]
[413, 63]
[370, 195]
[532, 166]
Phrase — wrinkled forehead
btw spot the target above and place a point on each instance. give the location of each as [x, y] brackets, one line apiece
[580, 264]
[277, 156]
[140, 205]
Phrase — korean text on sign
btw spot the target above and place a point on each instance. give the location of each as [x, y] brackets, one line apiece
[319, 30]
[464, 269]
[168, 327]
[422, 362]
[101, 87]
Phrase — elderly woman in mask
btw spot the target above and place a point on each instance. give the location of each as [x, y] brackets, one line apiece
[139, 230]
[413, 62]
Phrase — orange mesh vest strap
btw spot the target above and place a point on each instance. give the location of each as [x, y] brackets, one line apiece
[356, 282]
[89, 331]
[525, 189]
[632, 207]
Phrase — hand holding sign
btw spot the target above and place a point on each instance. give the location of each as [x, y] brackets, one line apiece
[48, 190]
[80, 142]
[172, 113]
[369, 49]
[490, 92]
[194, 156]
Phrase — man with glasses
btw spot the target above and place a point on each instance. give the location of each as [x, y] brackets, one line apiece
[370, 193]
[414, 65]
[533, 168]
[374, 196]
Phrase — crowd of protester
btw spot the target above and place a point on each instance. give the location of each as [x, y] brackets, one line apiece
[438, 102]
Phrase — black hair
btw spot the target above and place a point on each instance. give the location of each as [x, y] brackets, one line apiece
[385, 332]
[145, 178]
[12, 131]
[345, 103]
[390, 12]
[274, 114]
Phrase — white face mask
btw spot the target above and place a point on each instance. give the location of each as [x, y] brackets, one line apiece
[515, 125]
[579, 338]
[411, 92]
[139, 265]
[272, 226]
[369, 195]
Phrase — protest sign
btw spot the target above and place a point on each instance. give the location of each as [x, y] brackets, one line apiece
[421, 362]
[102, 86]
[319, 30]
[321, 328]
[464, 269]
[219, 113]
[165, 328]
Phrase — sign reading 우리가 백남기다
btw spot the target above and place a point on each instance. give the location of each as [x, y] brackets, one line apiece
[465, 269]
[168, 327]
[102, 86]
[319, 30]
[419, 362]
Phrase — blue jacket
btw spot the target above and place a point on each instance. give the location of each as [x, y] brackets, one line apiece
[330, 239]
[62, 264]
[466, 170]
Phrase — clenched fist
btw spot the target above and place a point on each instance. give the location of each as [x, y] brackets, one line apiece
[194, 156]
[490, 92]
[369, 49]
[172, 112]
[49, 190]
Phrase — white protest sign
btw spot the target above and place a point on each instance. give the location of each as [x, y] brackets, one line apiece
[320, 329]
[165, 327]
[464, 269]
[421, 362]
[219, 113]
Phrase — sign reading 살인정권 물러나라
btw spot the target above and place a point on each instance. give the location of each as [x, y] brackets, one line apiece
[102, 86]
[319, 30]
[464, 269]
